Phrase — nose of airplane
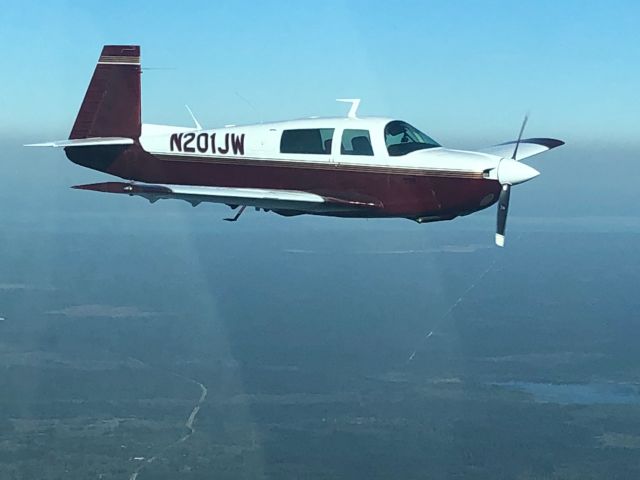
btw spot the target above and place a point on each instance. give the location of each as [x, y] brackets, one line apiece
[512, 172]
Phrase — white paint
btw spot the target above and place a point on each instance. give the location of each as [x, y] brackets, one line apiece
[256, 193]
[251, 197]
[262, 142]
[355, 103]
[525, 150]
[154, 130]
[511, 172]
[84, 142]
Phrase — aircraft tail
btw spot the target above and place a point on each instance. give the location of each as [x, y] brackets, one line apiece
[111, 106]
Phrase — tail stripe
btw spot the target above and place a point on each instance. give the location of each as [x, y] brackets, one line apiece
[119, 59]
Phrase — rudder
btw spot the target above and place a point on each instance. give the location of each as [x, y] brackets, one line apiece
[111, 106]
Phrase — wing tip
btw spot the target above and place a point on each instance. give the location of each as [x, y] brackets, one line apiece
[549, 143]
[545, 142]
[499, 240]
[43, 144]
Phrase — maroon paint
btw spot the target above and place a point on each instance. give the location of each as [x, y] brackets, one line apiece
[111, 106]
[401, 194]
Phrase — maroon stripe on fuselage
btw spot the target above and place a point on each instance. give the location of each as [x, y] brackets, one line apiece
[262, 162]
[403, 192]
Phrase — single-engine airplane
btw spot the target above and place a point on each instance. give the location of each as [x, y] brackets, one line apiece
[371, 167]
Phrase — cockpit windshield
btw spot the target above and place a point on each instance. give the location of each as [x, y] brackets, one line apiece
[401, 138]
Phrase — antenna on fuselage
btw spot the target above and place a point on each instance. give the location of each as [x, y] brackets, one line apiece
[195, 120]
[251, 105]
[355, 103]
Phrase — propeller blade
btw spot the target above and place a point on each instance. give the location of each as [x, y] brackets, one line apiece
[503, 209]
[524, 124]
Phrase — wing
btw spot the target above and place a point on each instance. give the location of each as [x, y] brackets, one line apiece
[528, 147]
[251, 197]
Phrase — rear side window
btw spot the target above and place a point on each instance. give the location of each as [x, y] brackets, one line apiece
[307, 140]
[356, 142]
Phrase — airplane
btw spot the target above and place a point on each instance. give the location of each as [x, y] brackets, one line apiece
[364, 167]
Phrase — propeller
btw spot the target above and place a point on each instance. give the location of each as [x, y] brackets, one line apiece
[524, 124]
[503, 209]
[511, 172]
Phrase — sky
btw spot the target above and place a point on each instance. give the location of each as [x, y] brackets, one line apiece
[463, 71]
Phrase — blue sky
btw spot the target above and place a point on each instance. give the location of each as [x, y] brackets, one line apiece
[463, 71]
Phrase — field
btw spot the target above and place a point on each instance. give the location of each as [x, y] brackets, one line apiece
[324, 354]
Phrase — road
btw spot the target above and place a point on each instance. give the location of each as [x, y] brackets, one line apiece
[189, 424]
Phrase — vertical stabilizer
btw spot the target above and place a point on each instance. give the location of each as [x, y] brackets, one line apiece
[111, 106]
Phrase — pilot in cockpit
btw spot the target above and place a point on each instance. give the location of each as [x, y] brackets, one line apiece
[401, 138]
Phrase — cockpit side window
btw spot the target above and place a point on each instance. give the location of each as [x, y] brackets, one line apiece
[356, 142]
[401, 138]
[307, 140]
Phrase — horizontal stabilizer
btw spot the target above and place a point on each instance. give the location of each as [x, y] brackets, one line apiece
[269, 199]
[85, 142]
[528, 147]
